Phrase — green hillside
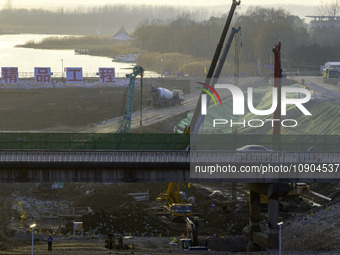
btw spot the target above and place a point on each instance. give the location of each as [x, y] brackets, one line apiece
[325, 119]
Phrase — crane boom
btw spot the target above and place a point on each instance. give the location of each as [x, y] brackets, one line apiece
[213, 64]
[217, 73]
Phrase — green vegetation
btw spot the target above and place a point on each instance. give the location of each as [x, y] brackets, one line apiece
[324, 120]
[187, 46]
[96, 45]
[172, 62]
[105, 19]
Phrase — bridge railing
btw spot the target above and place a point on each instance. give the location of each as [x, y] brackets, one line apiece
[166, 156]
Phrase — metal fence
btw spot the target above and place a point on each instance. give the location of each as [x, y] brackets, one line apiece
[108, 141]
[121, 74]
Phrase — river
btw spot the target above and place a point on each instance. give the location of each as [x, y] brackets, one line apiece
[26, 59]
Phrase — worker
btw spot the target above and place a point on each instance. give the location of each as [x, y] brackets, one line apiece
[196, 223]
[245, 231]
[297, 72]
[175, 240]
[212, 207]
[49, 242]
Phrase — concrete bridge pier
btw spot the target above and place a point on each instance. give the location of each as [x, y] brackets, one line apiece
[254, 220]
[270, 240]
[273, 219]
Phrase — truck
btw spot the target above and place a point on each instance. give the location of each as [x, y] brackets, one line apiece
[330, 75]
[162, 97]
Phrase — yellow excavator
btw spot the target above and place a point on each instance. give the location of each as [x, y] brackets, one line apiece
[297, 189]
[176, 202]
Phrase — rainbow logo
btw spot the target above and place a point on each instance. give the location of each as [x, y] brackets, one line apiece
[208, 92]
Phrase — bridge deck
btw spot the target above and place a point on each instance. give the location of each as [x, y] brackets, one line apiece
[145, 166]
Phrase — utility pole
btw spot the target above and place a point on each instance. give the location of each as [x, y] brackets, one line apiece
[277, 84]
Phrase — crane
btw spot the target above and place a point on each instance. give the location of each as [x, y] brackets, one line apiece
[217, 73]
[194, 120]
[125, 124]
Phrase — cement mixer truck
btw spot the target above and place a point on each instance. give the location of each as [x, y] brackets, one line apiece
[162, 97]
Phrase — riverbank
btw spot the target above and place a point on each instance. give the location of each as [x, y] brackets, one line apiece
[98, 45]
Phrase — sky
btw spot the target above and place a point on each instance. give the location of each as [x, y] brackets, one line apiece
[301, 8]
[66, 3]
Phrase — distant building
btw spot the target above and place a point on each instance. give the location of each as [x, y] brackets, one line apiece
[332, 65]
[122, 35]
[323, 22]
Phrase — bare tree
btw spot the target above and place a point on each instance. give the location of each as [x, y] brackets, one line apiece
[333, 9]
[330, 9]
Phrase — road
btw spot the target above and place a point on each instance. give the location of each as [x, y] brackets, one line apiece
[325, 90]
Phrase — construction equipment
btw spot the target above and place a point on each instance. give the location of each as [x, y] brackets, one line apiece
[195, 124]
[176, 202]
[218, 73]
[126, 121]
[192, 231]
[23, 217]
[330, 75]
[162, 97]
[296, 189]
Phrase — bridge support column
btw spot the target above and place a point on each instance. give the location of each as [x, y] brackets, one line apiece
[254, 220]
[273, 219]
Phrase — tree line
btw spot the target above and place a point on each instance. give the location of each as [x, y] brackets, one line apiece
[261, 29]
[105, 20]
[187, 43]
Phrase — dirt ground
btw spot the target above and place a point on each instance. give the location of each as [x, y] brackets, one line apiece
[221, 220]
[141, 245]
[94, 109]
[71, 109]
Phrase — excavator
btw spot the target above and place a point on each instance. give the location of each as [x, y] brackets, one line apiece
[296, 189]
[176, 202]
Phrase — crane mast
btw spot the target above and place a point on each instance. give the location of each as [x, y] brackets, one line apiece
[125, 124]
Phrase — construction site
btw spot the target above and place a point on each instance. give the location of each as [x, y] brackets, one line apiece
[202, 216]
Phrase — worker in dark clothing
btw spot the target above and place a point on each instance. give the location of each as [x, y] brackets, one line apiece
[49, 242]
[196, 223]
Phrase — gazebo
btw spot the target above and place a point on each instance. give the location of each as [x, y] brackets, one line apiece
[121, 35]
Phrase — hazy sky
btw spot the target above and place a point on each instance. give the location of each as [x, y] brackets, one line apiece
[66, 3]
[301, 8]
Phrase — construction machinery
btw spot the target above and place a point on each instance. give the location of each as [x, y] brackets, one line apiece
[192, 230]
[196, 119]
[296, 189]
[330, 75]
[176, 203]
[125, 124]
[162, 97]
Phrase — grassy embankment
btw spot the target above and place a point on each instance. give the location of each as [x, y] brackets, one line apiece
[324, 119]
[96, 45]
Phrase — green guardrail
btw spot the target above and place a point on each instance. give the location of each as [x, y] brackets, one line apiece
[95, 141]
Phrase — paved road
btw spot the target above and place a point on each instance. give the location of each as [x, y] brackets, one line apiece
[324, 90]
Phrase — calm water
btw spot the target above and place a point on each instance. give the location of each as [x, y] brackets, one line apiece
[26, 59]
